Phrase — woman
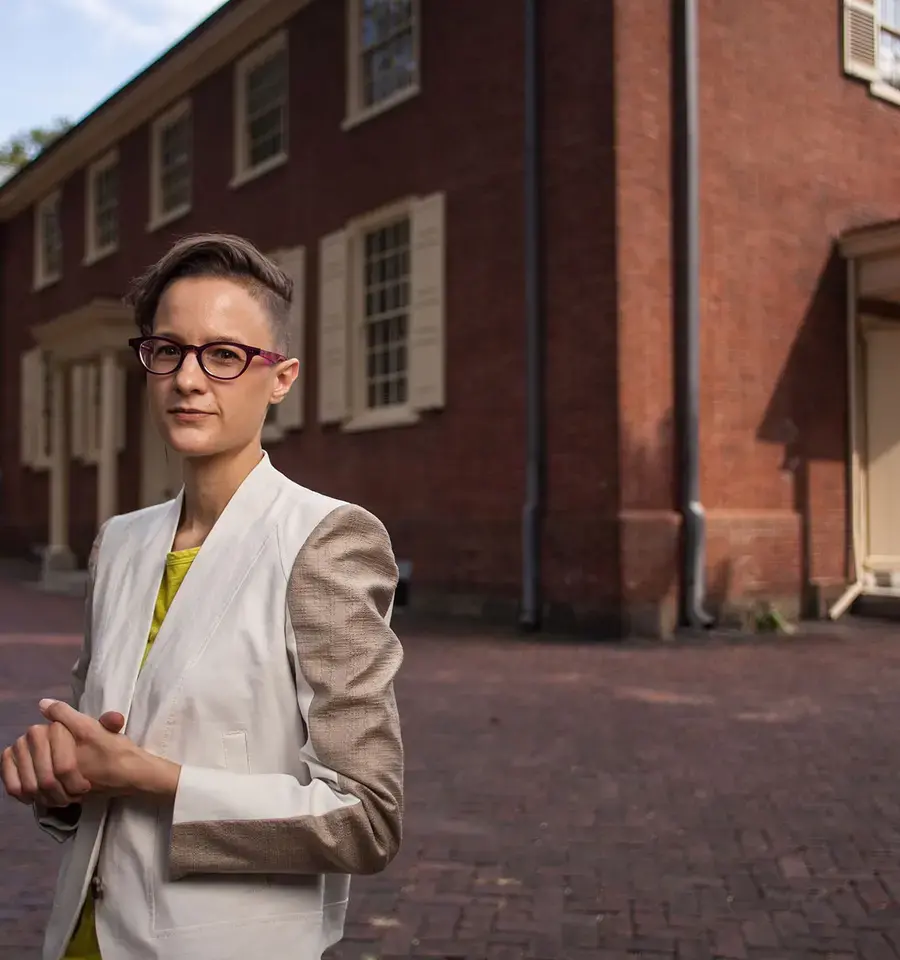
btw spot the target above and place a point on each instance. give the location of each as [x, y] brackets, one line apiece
[239, 636]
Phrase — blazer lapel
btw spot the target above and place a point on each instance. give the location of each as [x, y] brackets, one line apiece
[126, 588]
[202, 601]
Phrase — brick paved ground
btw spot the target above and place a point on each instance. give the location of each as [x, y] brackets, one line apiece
[590, 803]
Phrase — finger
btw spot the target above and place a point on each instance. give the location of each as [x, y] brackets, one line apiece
[12, 784]
[113, 721]
[27, 776]
[77, 723]
[65, 763]
[50, 790]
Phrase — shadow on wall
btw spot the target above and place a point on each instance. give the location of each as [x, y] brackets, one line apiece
[807, 415]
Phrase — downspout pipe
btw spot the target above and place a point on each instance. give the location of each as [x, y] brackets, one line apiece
[531, 602]
[686, 265]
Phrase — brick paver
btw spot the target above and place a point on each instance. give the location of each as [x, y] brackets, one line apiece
[577, 802]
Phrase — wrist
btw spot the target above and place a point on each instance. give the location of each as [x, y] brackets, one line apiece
[154, 776]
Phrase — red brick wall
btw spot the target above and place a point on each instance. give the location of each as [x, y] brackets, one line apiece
[793, 152]
[451, 488]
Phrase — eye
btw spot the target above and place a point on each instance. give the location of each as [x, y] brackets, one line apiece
[224, 355]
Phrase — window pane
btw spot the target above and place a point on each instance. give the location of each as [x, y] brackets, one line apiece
[51, 239]
[266, 100]
[386, 295]
[387, 48]
[175, 165]
[106, 207]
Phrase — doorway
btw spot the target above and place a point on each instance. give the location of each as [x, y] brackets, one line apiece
[883, 454]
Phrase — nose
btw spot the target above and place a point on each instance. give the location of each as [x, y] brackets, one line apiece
[190, 376]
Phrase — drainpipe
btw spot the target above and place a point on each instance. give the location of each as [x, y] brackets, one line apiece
[532, 512]
[686, 264]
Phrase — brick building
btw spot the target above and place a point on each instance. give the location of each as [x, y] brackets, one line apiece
[382, 151]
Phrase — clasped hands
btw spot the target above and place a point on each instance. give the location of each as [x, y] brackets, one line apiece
[57, 763]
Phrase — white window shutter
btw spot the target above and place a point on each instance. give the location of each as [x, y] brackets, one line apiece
[30, 410]
[121, 399]
[44, 405]
[78, 387]
[92, 413]
[861, 39]
[289, 413]
[426, 323]
[333, 372]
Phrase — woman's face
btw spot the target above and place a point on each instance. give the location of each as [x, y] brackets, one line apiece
[197, 415]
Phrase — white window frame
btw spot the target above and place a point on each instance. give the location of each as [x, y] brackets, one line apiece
[93, 251]
[42, 276]
[159, 217]
[863, 29]
[243, 171]
[356, 110]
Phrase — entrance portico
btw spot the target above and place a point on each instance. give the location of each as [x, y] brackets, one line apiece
[83, 353]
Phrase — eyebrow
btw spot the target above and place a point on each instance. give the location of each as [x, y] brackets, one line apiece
[215, 338]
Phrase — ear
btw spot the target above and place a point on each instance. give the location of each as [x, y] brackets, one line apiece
[285, 375]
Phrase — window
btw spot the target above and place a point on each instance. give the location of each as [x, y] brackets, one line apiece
[103, 207]
[385, 320]
[382, 55]
[261, 110]
[171, 165]
[48, 241]
[381, 317]
[872, 44]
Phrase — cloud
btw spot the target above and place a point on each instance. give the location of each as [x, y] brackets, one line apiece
[147, 24]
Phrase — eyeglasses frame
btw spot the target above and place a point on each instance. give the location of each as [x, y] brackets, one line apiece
[271, 358]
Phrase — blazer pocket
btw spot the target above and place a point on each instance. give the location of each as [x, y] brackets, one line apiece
[237, 756]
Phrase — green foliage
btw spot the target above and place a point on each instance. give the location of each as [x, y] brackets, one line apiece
[21, 148]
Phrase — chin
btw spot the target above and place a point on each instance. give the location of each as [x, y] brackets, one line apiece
[190, 442]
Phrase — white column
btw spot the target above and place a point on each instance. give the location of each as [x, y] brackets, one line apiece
[59, 555]
[107, 463]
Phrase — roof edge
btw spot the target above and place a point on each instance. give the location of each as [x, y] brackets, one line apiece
[218, 40]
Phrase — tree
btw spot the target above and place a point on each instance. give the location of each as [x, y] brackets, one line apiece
[21, 148]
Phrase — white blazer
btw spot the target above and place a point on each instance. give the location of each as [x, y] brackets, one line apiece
[271, 683]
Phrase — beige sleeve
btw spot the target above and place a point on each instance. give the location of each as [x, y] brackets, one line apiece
[348, 819]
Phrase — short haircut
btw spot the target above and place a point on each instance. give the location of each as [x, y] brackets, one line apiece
[216, 255]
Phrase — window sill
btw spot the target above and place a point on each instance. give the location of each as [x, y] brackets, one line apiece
[382, 419]
[96, 255]
[245, 176]
[164, 219]
[41, 283]
[884, 91]
[368, 113]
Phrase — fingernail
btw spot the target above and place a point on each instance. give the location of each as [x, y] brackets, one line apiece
[46, 704]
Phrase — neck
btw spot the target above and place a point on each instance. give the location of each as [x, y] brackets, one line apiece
[209, 483]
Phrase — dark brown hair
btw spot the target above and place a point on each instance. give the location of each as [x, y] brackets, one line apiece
[216, 255]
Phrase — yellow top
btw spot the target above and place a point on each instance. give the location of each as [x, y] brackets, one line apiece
[84, 945]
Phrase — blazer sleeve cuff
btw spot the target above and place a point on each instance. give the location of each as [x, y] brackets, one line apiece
[59, 822]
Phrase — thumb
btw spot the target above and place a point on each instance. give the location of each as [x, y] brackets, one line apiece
[76, 723]
[113, 721]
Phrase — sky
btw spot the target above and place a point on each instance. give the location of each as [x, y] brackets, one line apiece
[60, 58]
